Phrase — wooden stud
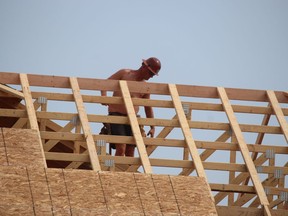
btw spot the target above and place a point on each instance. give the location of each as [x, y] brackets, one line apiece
[207, 153]
[51, 143]
[85, 125]
[31, 111]
[135, 127]
[232, 173]
[187, 132]
[11, 91]
[244, 149]
[278, 112]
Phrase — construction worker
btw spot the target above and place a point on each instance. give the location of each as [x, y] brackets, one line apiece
[149, 68]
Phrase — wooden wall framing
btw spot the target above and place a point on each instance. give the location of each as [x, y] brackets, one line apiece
[67, 147]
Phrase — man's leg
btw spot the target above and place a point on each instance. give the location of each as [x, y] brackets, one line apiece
[118, 129]
[130, 150]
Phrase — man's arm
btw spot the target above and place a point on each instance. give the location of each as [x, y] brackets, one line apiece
[149, 114]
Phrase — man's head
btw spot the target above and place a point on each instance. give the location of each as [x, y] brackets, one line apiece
[153, 64]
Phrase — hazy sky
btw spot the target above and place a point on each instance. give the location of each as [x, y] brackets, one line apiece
[242, 44]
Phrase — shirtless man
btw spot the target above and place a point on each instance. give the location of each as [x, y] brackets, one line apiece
[149, 68]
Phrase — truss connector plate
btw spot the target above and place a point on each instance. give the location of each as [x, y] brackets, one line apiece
[75, 120]
[109, 163]
[270, 154]
[186, 109]
[42, 100]
[259, 169]
[100, 143]
[284, 196]
[278, 173]
[267, 191]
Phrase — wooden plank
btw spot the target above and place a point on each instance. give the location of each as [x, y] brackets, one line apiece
[240, 178]
[156, 103]
[187, 132]
[85, 125]
[244, 149]
[51, 143]
[135, 127]
[259, 140]
[11, 91]
[278, 112]
[31, 111]
[232, 173]
[153, 88]
[206, 154]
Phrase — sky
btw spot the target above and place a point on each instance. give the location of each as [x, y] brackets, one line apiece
[228, 43]
[241, 44]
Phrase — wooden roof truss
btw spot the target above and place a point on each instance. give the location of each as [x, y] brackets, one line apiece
[74, 144]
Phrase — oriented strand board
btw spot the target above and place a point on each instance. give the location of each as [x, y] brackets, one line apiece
[3, 156]
[58, 190]
[28, 188]
[165, 194]
[15, 195]
[22, 147]
[192, 195]
[84, 189]
[39, 190]
[147, 194]
[1, 138]
[121, 193]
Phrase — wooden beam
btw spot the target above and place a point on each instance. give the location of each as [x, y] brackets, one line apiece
[85, 125]
[278, 112]
[11, 91]
[244, 150]
[240, 178]
[51, 143]
[31, 112]
[187, 132]
[206, 154]
[145, 87]
[156, 103]
[236, 210]
[135, 127]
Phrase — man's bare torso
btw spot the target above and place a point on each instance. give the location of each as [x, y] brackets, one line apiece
[128, 75]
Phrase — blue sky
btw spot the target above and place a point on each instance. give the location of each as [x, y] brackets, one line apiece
[229, 43]
[239, 44]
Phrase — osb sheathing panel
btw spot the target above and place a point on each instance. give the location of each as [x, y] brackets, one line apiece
[26, 188]
[22, 147]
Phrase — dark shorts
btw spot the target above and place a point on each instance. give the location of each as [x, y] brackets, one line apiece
[120, 129]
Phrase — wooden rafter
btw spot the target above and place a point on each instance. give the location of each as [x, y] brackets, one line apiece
[279, 113]
[187, 132]
[244, 149]
[72, 150]
[259, 140]
[31, 111]
[135, 127]
[11, 91]
[85, 125]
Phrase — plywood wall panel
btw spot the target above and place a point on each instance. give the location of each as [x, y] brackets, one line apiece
[121, 193]
[165, 194]
[84, 189]
[1, 138]
[27, 188]
[3, 156]
[192, 195]
[58, 190]
[147, 192]
[22, 147]
[39, 190]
